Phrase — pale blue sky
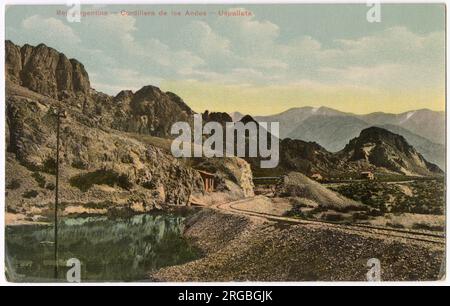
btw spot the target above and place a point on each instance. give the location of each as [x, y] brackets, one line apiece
[284, 56]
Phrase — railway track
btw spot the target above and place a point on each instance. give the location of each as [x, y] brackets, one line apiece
[394, 233]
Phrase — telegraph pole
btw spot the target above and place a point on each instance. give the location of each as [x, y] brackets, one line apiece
[59, 114]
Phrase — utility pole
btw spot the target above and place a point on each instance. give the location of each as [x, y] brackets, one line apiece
[59, 113]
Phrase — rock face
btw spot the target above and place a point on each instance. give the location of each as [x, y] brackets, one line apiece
[232, 174]
[219, 117]
[306, 157]
[96, 165]
[153, 112]
[382, 148]
[46, 71]
[148, 111]
[102, 166]
[376, 149]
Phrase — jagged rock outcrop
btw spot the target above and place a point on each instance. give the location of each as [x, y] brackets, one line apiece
[13, 62]
[97, 165]
[153, 112]
[231, 174]
[101, 164]
[220, 117]
[306, 157]
[46, 71]
[382, 148]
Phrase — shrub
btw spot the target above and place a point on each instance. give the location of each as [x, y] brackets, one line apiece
[13, 184]
[100, 177]
[99, 205]
[79, 164]
[360, 216]
[148, 185]
[39, 178]
[30, 194]
[394, 225]
[428, 227]
[332, 217]
[49, 166]
[50, 186]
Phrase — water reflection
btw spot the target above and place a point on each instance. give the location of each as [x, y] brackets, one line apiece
[123, 249]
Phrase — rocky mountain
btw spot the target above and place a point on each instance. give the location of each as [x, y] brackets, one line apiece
[50, 73]
[46, 71]
[109, 160]
[332, 132]
[148, 111]
[308, 158]
[432, 152]
[114, 149]
[373, 149]
[220, 117]
[424, 122]
[424, 129]
[236, 116]
[383, 149]
[290, 118]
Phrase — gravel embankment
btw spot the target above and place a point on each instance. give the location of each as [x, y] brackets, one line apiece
[242, 248]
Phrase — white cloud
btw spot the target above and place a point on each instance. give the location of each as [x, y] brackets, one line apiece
[49, 29]
[199, 37]
[243, 50]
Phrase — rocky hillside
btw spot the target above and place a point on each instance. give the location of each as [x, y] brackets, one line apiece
[381, 148]
[46, 71]
[100, 168]
[332, 129]
[50, 73]
[375, 149]
[105, 164]
[334, 133]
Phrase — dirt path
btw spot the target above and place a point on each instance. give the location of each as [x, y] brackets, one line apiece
[236, 207]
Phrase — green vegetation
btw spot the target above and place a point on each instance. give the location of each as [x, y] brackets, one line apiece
[48, 166]
[30, 194]
[50, 186]
[418, 196]
[39, 178]
[332, 217]
[100, 177]
[428, 227]
[79, 164]
[394, 225]
[13, 184]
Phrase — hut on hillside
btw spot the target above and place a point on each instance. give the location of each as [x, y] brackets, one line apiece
[317, 177]
[208, 180]
[367, 175]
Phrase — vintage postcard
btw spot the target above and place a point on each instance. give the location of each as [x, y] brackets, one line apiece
[225, 142]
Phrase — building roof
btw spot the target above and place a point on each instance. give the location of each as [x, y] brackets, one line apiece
[204, 172]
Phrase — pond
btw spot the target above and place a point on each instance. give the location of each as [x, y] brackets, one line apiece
[109, 249]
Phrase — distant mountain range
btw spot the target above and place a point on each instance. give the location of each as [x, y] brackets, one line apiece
[333, 129]
[375, 149]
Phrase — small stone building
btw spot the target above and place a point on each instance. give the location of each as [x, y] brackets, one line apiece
[208, 180]
[317, 177]
[367, 175]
